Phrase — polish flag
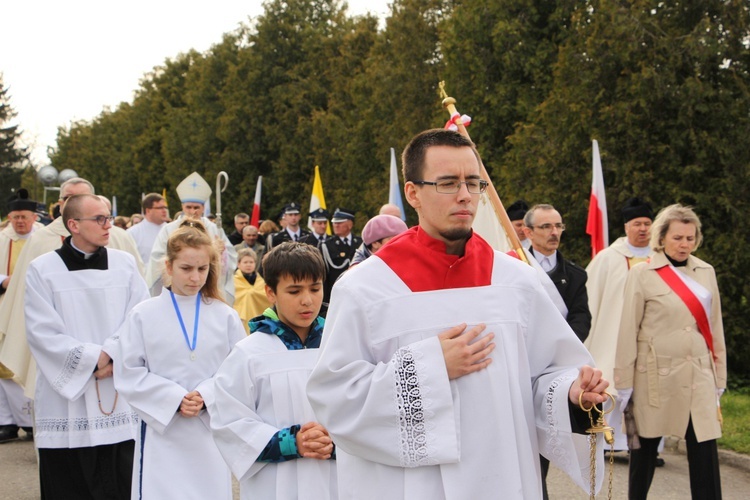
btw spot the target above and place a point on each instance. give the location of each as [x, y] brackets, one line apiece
[255, 218]
[597, 225]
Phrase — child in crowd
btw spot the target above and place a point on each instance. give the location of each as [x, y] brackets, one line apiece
[249, 288]
[260, 417]
[170, 348]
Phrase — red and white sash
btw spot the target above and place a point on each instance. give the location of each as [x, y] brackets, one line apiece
[695, 296]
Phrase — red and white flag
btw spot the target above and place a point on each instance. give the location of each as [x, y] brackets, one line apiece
[597, 224]
[255, 218]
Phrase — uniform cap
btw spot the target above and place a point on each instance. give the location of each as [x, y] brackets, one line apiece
[319, 214]
[342, 214]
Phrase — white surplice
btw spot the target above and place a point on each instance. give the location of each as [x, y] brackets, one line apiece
[71, 316]
[260, 389]
[403, 430]
[144, 234]
[175, 456]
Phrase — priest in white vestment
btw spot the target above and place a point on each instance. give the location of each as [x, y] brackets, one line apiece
[15, 407]
[607, 273]
[445, 369]
[76, 299]
[194, 193]
[14, 349]
[156, 216]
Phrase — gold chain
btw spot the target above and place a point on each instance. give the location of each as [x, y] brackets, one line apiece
[600, 426]
[99, 400]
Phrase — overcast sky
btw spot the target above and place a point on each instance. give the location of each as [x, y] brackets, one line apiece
[67, 60]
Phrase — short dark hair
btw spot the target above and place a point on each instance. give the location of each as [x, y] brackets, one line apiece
[241, 216]
[150, 199]
[73, 207]
[299, 261]
[412, 159]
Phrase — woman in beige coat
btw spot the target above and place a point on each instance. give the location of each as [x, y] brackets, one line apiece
[663, 359]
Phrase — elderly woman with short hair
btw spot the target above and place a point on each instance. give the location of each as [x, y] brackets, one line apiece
[671, 357]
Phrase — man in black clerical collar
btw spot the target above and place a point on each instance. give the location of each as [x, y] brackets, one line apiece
[88, 220]
[77, 297]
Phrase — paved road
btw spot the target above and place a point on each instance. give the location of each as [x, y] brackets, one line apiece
[18, 476]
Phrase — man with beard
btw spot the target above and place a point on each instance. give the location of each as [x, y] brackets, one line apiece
[456, 367]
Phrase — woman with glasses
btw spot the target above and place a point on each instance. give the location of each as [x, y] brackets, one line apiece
[670, 368]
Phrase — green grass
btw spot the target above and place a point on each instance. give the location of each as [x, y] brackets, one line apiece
[735, 407]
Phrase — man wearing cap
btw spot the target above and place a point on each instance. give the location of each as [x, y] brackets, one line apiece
[516, 211]
[194, 192]
[15, 408]
[607, 273]
[14, 351]
[156, 217]
[377, 232]
[319, 226]
[292, 231]
[338, 251]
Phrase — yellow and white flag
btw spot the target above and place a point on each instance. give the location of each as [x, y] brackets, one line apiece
[317, 199]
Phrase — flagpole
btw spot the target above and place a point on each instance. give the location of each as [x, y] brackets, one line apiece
[449, 103]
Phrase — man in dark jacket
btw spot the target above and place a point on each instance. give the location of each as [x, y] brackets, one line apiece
[544, 227]
[338, 251]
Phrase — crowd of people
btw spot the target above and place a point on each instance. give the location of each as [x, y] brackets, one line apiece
[159, 359]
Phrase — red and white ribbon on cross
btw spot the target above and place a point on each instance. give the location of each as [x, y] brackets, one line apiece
[455, 117]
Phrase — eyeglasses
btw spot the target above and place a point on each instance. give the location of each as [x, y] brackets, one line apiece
[448, 186]
[99, 219]
[548, 227]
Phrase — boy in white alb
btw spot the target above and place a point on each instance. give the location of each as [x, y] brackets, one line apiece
[260, 417]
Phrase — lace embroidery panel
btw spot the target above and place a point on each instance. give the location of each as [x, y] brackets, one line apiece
[412, 410]
[87, 424]
[69, 368]
[553, 438]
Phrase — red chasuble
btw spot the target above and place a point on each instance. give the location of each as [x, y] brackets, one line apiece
[423, 264]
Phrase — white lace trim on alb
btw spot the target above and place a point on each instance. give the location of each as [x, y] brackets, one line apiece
[413, 410]
[553, 419]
